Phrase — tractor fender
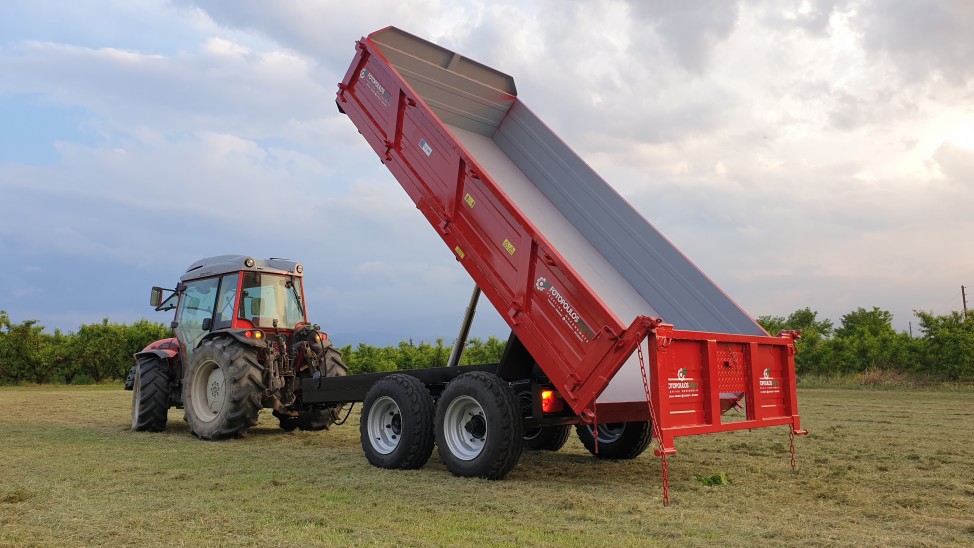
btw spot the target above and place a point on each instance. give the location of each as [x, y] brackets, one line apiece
[163, 353]
[163, 349]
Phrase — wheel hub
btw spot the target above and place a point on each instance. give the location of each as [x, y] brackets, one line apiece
[465, 428]
[384, 425]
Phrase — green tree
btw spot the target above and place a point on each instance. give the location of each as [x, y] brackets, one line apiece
[949, 345]
[100, 351]
[815, 334]
[866, 340]
[20, 349]
[860, 322]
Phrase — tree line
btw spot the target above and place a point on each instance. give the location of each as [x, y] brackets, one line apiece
[102, 352]
[864, 340]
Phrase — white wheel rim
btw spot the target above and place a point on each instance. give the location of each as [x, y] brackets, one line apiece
[384, 425]
[209, 391]
[465, 428]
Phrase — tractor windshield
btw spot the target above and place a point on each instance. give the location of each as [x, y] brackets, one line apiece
[268, 297]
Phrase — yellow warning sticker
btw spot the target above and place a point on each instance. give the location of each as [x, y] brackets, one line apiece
[458, 251]
[469, 199]
[509, 247]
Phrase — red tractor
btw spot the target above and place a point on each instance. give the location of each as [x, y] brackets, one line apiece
[243, 343]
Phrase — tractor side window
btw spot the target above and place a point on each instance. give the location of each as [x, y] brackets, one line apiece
[196, 304]
[225, 302]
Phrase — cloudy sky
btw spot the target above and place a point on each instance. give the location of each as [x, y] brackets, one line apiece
[814, 154]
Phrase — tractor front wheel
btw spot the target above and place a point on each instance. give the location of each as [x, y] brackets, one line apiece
[223, 389]
[150, 395]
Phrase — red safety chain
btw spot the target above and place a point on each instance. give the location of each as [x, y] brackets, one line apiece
[656, 429]
[595, 425]
[791, 447]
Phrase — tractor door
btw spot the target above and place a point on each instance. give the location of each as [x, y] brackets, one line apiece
[196, 305]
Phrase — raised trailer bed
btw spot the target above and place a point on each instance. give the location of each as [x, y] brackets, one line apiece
[584, 281]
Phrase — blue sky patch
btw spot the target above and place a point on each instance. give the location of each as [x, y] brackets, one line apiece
[30, 128]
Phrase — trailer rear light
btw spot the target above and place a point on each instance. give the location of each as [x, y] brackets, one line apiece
[551, 402]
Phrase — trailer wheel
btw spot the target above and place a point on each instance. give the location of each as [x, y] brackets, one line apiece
[479, 430]
[150, 395]
[546, 438]
[222, 390]
[397, 423]
[617, 440]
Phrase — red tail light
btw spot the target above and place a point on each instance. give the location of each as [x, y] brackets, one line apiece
[551, 402]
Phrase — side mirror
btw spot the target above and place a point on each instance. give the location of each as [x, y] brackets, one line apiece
[160, 301]
[155, 299]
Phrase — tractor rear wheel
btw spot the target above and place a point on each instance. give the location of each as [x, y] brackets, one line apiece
[397, 423]
[223, 389]
[479, 430]
[617, 440]
[150, 395]
[546, 438]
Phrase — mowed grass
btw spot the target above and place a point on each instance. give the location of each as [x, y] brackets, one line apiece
[880, 468]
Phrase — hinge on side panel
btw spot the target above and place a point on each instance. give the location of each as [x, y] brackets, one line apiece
[444, 225]
[514, 312]
[389, 147]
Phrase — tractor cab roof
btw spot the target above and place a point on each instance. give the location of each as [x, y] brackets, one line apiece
[224, 264]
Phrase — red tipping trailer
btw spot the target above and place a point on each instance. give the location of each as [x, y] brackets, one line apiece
[585, 283]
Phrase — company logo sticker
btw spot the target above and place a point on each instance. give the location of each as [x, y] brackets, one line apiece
[377, 89]
[565, 310]
[768, 384]
[426, 147]
[682, 386]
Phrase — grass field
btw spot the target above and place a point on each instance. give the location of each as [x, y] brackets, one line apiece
[880, 468]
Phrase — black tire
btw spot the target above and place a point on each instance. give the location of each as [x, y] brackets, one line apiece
[130, 379]
[150, 395]
[479, 431]
[330, 365]
[546, 438]
[617, 440]
[397, 423]
[222, 390]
